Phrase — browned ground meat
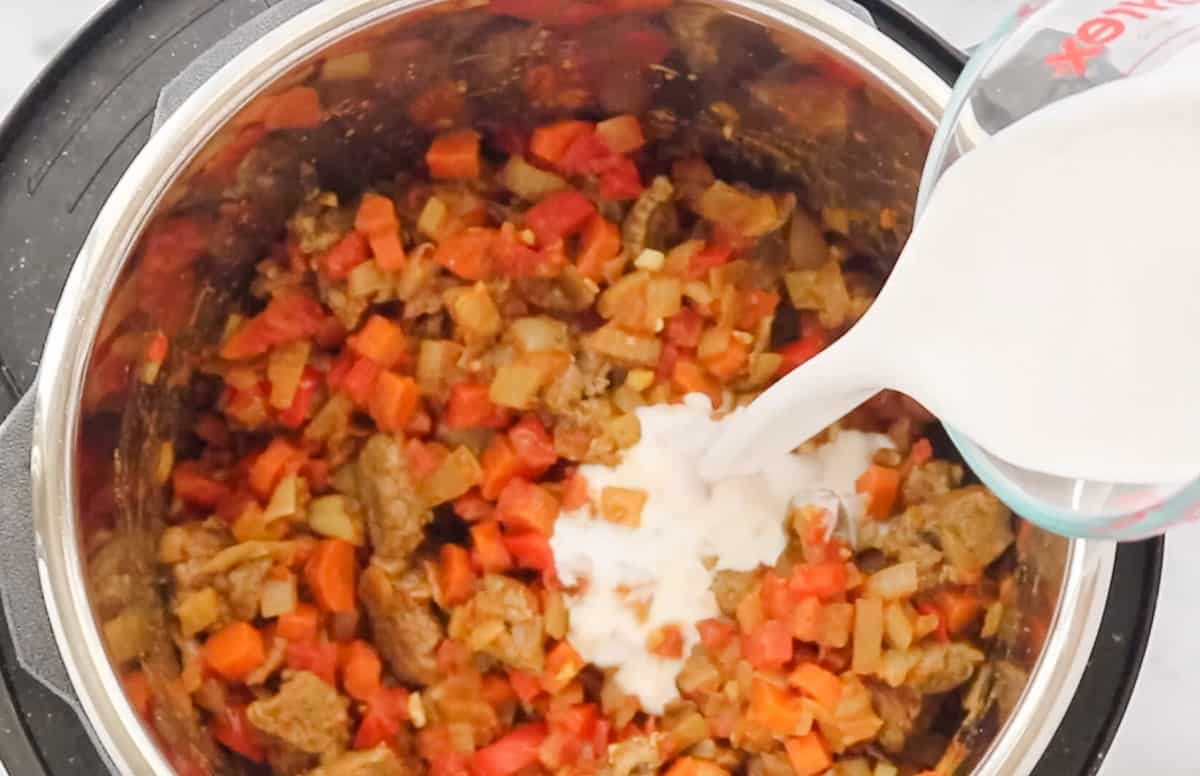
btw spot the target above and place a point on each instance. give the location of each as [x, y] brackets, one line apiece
[932, 478]
[306, 714]
[972, 527]
[900, 708]
[943, 667]
[405, 630]
[396, 516]
[380, 761]
[639, 756]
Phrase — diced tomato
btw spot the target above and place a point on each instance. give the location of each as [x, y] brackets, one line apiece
[359, 382]
[588, 154]
[531, 550]
[768, 646]
[468, 253]
[776, 596]
[822, 580]
[455, 577]
[500, 465]
[550, 143]
[667, 360]
[299, 625]
[471, 406]
[473, 507]
[380, 340]
[513, 752]
[394, 402]
[716, 633]
[515, 259]
[295, 415]
[490, 552]
[621, 133]
[563, 664]
[287, 318]
[621, 182]
[600, 244]
[137, 690]
[802, 350]
[387, 708]
[455, 155]
[707, 258]
[345, 255]
[684, 328]
[921, 453]
[533, 445]
[730, 361]
[278, 459]
[524, 506]
[234, 731]
[195, 486]
[755, 306]
[317, 657]
[559, 215]
[424, 458]
[807, 619]
[526, 686]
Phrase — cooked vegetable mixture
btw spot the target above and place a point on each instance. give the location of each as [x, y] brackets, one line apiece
[360, 574]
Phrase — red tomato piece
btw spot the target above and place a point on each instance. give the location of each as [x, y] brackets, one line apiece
[559, 215]
[318, 657]
[533, 445]
[234, 731]
[471, 406]
[768, 646]
[513, 752]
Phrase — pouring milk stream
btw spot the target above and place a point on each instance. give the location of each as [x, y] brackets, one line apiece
[1046, 303]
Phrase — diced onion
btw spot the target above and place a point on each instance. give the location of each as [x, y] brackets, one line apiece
[333, 418]
[348, 67]
[285, 368]
[474, 311]
[278, 596]
[894, 582]
[868, 635]
[433, 218]
[284, 501]
[627, 349]
[368, 280]
[897, 626]
[128, 635]
[198, 610]
[459, 472]
[751, 215]
[337, 517]
[539, 333]
[650, 259]
[517, 385]
[623, 506]
[529, 182]
[807, 247]
[437, 363]
[896, 664]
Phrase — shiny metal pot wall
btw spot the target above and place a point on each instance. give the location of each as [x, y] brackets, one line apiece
[720, 101]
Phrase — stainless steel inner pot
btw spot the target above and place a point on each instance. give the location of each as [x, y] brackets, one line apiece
[1017, 702]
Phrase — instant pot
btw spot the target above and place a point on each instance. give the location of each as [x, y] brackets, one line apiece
[62, 152]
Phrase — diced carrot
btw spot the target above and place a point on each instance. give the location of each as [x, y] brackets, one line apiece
[666, 642]
[531, 550]
[526, 686]
[380, 340]
[822, 580]
[514, 752]
[600, 244]
[549, 143]
[287, 318]
[361, 670]
[137, 690]
[271, 464]
[497, 690]
[575, 492]
[490, 551]
[533, 445]
[821, 685]
[716, 633]
[524, 506]
[807, 619]
[958, 608]
[473, 507]
[296, 108]
[776, 596]
[316, 657]
[235, 651]
[376, 215]
[300, 624]
[775, 708]
[330, 574]
[500, 465]
[808, 754]
[559, 215]
[387, 708]
[754, 306]
[730, 361]
[388, 250]
[768, 646]
[471, 406]
[455, 577]
[621, 133]
[359, 382]
[346, 254]
[195, 486]
[563, 664]
[394, 401]
[295, 415]
[468, 253]
[455, 155]
[881, 486]
[695, 766]
[688, 377]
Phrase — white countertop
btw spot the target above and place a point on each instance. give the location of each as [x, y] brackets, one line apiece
[1156, 735]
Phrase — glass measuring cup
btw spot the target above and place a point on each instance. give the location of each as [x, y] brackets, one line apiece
[1047, 52]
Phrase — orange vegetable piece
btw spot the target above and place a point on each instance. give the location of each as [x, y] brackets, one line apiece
[821, 685]
[500, 465]
[376, 215]
[359, 381]
[563, 664]
[344, 256]
[454, 156]
[806, 619]
[715, 633]
[550, 143]
[524, 684]
[775, 708]
[330, 573]
[296, 108]
[600, 244]
[688, 377]
[768, 646]
[490, 552]
[468, 254]
[394, 401]
[361, 670]
[389, 251]
[808, 754]
[271, 464]
[471, 406]
[881, 486]
[300, 624]
[380, 340]
[137, 690]
[621, 134]
[575, 492]
[235, 651]
[958, 609]
[694, 766]
[524, 506]
[455, 577]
